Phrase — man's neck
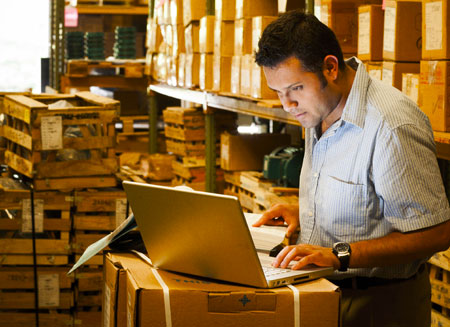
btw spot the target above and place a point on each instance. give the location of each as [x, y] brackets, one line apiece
[345, 83]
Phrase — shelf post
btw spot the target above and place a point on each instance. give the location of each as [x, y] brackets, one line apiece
[210, 144]
[152, 122]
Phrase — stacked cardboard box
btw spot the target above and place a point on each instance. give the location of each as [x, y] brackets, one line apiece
[434, 67]
[401, 47]
[370, 38]
[206, 47]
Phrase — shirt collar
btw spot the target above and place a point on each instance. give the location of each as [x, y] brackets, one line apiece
[355, 107]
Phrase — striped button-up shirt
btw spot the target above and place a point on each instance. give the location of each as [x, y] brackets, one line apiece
[371, 173]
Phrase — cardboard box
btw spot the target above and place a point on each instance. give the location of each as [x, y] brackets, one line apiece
[375, 69]
[242, 37]
[258, 25]
[206, 41]
[370, 32]
[392, 72]
[410, 86]
[188, 301]
[206, 71]
[259, 88]
[175, 12]
[225, 9]
[178, 42]
[172, 70]
[435, 25]
[223, 37]
[342, 17]
[154, 36]
[246, 151]
[235, 74]
[181, 69]
[192, 37]
[433, 93]
[221, 73]
[287, 5]
[402, 39]
[246, 74]
[193, 10]
[114, 310]
[252, 8]
[192, 73]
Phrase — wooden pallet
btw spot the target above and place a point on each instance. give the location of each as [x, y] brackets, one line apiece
[53, 146]
[439, 319]
[126, 68]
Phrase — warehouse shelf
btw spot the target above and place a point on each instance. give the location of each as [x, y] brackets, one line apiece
[112, 10]
[268, 109]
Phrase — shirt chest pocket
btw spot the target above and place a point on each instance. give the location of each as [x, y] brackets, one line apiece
[342, 207]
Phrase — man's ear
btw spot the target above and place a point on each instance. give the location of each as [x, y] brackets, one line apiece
[331, 67]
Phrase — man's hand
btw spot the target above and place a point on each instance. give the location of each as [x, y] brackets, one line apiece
[281, 214]
[306, 254]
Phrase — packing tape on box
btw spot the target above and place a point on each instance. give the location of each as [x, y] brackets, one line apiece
[296, 294]
[164, 287]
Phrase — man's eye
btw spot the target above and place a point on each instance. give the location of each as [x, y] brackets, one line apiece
[297, 88]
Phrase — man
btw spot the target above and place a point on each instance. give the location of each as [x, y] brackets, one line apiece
[372, 203]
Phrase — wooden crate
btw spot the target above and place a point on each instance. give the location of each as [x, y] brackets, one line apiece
[439, 319]
[186, 124]
[88, 295]
[62, 148]
[17, 289]
[52, 225]
[440, 289]
[96, 213]
[133, 124]
[129, 68]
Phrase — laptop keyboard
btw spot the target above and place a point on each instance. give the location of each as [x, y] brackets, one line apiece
[272, 271]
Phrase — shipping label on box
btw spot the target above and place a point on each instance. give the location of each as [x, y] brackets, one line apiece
[433, 93]
[242, 37]
[192, 37]
[206, 41]
[410, 86]
[435, 26]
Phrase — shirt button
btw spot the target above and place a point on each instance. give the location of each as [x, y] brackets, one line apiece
[310, 213]
[315, 174]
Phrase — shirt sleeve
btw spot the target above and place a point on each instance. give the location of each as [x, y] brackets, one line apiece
[407, 178]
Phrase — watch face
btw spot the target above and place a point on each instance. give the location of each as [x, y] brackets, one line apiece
[342, 247]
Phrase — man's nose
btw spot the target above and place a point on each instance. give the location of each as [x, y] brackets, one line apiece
[289, 104]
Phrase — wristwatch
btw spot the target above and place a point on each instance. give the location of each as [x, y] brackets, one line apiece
[342, 251]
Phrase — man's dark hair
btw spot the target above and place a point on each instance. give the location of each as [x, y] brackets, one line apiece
[301, 35]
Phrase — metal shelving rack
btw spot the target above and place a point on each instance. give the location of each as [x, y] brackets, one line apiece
[56, 42]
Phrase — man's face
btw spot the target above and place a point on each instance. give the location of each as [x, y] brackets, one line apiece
[302, 94]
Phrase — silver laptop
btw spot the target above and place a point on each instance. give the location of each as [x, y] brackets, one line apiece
[205, 234]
